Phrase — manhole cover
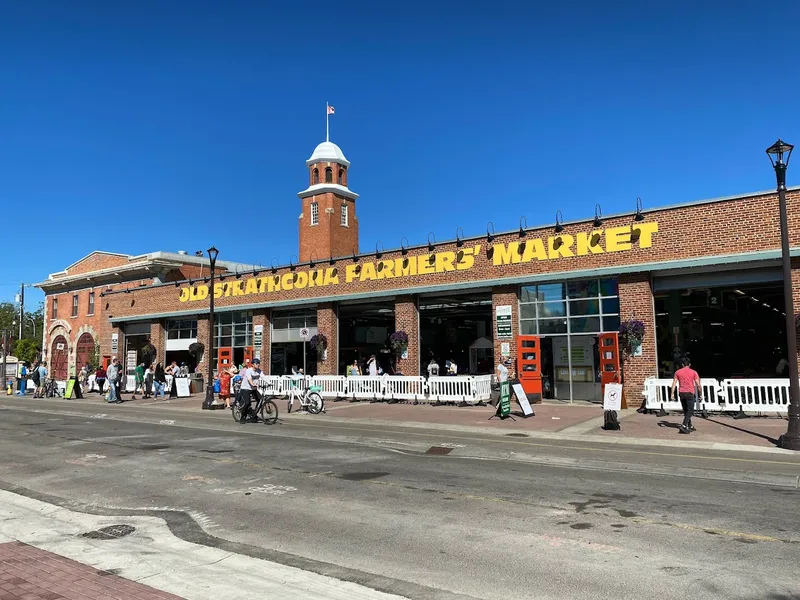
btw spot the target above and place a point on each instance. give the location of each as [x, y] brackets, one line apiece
[112, 532]
[517, 435]
[438, 450]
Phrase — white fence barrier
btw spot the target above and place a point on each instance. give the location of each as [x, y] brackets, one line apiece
[482, 386]
[756, 396]
[457, 388]
[333, 386]
[749, 396]
[401, 387]
[365, 387]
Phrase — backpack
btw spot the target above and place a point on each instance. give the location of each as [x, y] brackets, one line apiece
[610, 422]
[35, 376]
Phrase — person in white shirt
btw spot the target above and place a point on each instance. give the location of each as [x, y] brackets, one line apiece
[502, 372]
[250, 378]
[433, 368]
[372, 366]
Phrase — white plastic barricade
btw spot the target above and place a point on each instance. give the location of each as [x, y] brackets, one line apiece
[333, 386]
[366, 387]
[458, 388]
[402, 387]
[754, 396]
[711, 396]
[296, 382]
[167, 387]
[482, 387]
[657, 394]
[268, 385]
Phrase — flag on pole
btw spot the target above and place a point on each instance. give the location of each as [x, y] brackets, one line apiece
[331, 110]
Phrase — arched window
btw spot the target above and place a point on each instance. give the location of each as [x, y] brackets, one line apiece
[315, 176]
[345, 216]
[341, 176]
[314, 213]
[328, 175]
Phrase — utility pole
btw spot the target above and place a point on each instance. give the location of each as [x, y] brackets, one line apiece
[5, 352]
[21, 309]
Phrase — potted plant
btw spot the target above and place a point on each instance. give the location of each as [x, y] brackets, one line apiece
[631, 334]
[319, 343]
[399, 342]
[148, 352]
[196, 350]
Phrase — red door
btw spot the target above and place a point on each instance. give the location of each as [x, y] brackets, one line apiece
[224, 358]
[609, 361]
[84, 351]
[529, 366]
[58, 358]
[248, 355]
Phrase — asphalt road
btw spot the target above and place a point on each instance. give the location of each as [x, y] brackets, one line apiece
[494, 518]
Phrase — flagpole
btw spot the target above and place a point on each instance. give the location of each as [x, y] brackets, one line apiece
[327, 122]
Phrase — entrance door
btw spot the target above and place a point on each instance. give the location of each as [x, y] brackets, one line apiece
[529, 365]
[84, 352]
[609, 361]
[224, 358]
[58, 358]
[248, 355]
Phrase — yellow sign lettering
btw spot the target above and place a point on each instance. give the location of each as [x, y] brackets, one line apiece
[561, 245]
[618, 239]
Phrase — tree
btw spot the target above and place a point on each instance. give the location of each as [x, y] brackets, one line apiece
[25, 350]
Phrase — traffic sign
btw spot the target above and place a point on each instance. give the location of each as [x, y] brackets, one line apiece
[305, 334]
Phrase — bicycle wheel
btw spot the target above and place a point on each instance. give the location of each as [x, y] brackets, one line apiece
[268, 412]
[236, 411]
[315, 403]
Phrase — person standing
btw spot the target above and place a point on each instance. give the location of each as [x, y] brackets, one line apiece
[372, 366]
[160, 381]
[112, 374]
[23, 380]
[148, 381]
[249, 387]
[139, 377]
[41, 371]
[688, 382]
[84, 378]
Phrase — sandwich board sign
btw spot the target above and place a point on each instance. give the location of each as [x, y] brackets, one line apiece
[522, 398]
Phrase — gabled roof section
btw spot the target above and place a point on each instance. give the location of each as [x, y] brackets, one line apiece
[95, 261]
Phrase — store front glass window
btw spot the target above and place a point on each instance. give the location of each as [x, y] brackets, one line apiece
[181, 330]
[289, 351]
[569, 316]
[233, 330]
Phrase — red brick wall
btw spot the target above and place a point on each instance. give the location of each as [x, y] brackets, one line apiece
[262, 317]
[738, 225]
[406, 318]
[327, 238]
[796, 297]
[328, 324]
[97, 262]
[158, 339]
[202, 337]
[636, 302]
[502, 296]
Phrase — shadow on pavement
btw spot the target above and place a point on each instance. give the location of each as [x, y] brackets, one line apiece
[772, 440]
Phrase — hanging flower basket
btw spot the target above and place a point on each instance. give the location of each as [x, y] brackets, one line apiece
[399, 341]
[319, 343]
[196, 350]
[631, 335]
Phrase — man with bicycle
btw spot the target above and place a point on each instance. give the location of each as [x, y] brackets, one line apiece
[249, 389]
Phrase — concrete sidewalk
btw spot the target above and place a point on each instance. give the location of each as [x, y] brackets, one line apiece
[579, 422]
[103, 566]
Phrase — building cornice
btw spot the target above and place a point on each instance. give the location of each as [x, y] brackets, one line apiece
[327, 188]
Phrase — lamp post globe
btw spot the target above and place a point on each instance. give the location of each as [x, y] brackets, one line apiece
[779, 154]
[209, 402]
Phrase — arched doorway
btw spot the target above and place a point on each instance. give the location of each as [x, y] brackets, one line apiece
[58, 358]
[84, 352]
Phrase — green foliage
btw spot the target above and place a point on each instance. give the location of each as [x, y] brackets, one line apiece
[25, 350]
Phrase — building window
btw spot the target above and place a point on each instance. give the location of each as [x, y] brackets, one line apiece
[54, 310]
[91, 303]
[75, 305]
[315, 177]
[576, 307]
[182, 330]
[314, 213]
[328, 175]
[344, 215]
[233, 330]
[341, 176]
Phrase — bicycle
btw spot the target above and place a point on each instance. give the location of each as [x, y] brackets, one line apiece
[51, 389]
[309, 398]
[265, 409]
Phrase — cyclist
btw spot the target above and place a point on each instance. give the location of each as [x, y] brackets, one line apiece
[250, 377]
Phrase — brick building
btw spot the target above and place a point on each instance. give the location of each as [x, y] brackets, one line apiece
[703, 277]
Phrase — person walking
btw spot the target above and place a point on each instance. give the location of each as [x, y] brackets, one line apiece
[100, 379]
[225, 377]
[148, 381]
[139, 385]
[687, 382]
[23, 380]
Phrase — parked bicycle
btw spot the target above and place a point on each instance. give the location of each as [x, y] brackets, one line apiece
[309, 399]
[264, 409]
[51, 389]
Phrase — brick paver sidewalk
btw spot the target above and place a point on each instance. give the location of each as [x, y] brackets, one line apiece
[27, 573]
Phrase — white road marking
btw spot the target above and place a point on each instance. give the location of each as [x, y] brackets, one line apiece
[99, 416]
[166, 422]
[275, 490]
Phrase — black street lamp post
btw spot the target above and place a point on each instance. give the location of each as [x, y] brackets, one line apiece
[209, 401]
[779, 154]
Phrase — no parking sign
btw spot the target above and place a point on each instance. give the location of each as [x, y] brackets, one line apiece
[612, 397]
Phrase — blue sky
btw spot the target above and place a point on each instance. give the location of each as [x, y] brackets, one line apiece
[141, 126]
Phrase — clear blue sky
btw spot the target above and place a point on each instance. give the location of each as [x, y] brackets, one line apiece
[142, 126]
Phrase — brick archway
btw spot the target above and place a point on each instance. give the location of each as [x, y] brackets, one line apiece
[84, 351]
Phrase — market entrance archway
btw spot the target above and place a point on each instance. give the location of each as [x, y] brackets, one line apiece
[84, 351]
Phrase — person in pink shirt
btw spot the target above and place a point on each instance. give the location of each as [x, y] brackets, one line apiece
[688, 382]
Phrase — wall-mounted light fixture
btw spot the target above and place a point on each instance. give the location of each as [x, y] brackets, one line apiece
[559, 221]
[489, 232]
[522, 234]
[355, 256]
[431, 243]
[378, 251]
[311, 261]
[638, 216]
[238, 275]
[292, 262]
[332, 260]
[274, 266]
[404, 246]
[598, 213]
[459, 238]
